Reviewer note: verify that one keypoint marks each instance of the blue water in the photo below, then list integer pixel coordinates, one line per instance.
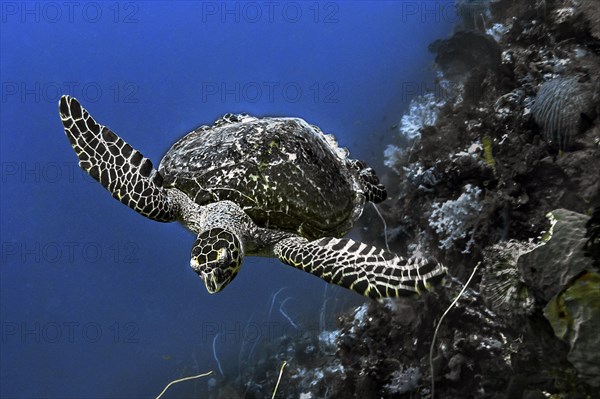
(99, 302)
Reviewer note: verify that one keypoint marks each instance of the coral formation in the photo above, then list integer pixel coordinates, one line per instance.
(514, 76)
(592, 245)
(403, 381)
(454, 219)
(550, 267)
(561, 107)
(502, 285)
(423, 111)
(474, 179)
(574, 315)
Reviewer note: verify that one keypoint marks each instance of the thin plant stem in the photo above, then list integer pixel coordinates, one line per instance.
(437, 328)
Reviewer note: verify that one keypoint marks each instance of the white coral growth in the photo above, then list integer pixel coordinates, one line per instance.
(423, 111)
(497, 31)
(404, 381)
(423, 179)
(392, 156)
(453, 220)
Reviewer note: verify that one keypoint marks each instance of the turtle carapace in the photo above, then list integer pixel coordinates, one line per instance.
(274, 187)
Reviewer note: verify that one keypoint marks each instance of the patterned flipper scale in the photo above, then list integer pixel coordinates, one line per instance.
(121, 169)
(370, 271)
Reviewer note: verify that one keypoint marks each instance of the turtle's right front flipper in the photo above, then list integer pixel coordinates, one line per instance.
(368, 270)
(122, 170)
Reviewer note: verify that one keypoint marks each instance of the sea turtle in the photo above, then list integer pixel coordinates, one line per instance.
(253, 186)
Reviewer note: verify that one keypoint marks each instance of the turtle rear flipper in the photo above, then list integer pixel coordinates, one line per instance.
(122, 170)
(370, 271)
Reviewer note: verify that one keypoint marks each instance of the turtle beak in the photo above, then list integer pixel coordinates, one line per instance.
(211, 283)
(214, 280)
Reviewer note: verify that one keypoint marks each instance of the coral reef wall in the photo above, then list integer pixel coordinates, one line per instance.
(496, 170)
(505, 176)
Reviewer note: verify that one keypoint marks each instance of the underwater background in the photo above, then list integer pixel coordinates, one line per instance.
(480, 116)
(98, 302)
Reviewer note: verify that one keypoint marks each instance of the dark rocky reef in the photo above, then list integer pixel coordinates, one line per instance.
(494, 143)
(522, 128)
(465, 59)
(488, 179)
(592, 246)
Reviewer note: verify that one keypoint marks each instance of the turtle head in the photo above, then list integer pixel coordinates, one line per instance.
(217, 256)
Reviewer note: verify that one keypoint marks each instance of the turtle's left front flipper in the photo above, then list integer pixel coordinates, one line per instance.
(368, 270)
(120, 168)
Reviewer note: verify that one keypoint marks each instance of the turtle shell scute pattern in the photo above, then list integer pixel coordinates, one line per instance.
(284, 173)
